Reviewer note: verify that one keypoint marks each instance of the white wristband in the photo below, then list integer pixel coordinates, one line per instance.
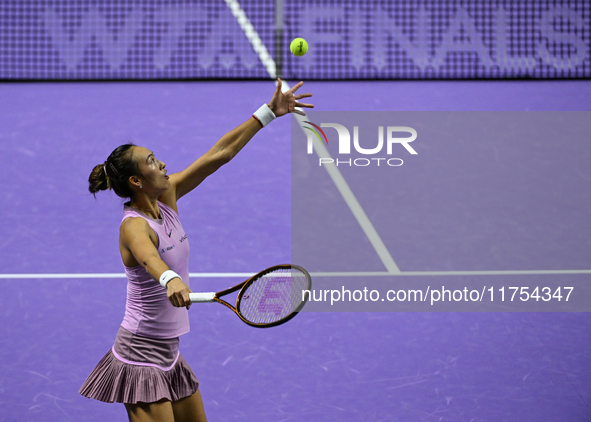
(264, 115)
(167, 276)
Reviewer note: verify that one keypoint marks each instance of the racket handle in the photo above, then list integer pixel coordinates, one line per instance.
(201, 297)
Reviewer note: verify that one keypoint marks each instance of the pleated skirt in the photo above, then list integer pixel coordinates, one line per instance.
(146, 377)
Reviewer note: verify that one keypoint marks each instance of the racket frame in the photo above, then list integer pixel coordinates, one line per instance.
(215, 297)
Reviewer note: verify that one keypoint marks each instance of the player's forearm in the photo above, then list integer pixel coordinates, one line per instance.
(176, 289)
(219, 154)
(232, 142)
(224, 150)
(155, 266)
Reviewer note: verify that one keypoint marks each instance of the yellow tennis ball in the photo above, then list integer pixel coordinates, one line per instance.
(298, 47)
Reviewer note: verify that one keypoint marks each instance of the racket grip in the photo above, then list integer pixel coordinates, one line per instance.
(201, 297)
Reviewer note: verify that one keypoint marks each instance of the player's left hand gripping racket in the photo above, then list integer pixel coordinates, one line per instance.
(269, 298)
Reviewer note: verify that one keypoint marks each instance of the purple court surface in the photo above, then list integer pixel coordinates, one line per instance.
(421, 366)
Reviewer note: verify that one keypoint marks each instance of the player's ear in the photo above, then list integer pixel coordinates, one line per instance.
(135, 181)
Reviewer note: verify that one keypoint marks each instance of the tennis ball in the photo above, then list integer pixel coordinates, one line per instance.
(298, 47)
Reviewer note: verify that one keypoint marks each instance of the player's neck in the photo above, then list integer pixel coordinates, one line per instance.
(146, 205)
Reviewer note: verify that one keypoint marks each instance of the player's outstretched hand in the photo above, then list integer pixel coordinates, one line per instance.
(178, 293)
(286, 102)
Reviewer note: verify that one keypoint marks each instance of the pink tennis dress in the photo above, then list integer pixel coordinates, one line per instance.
(144, 365)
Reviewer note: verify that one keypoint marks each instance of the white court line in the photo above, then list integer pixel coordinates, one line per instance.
(353, 204)
(116, 275)
(253, 37)
(446, 273)
(333, 171)
(313, 274)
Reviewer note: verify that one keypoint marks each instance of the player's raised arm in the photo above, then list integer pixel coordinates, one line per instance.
(232, 142)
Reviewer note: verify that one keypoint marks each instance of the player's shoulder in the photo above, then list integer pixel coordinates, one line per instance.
(136, 229)
(133, 225)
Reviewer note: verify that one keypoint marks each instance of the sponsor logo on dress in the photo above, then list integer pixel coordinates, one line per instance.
(169, 248)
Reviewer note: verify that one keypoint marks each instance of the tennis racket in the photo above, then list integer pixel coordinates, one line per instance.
(269, 298)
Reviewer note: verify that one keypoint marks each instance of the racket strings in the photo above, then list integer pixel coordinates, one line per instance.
(273, 296)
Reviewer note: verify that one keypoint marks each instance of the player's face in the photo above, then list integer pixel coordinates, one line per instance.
(153, 171)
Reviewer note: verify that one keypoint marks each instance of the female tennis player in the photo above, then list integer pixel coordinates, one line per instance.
(144, 369)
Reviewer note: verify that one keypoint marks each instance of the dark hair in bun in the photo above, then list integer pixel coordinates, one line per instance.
(115, 172)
